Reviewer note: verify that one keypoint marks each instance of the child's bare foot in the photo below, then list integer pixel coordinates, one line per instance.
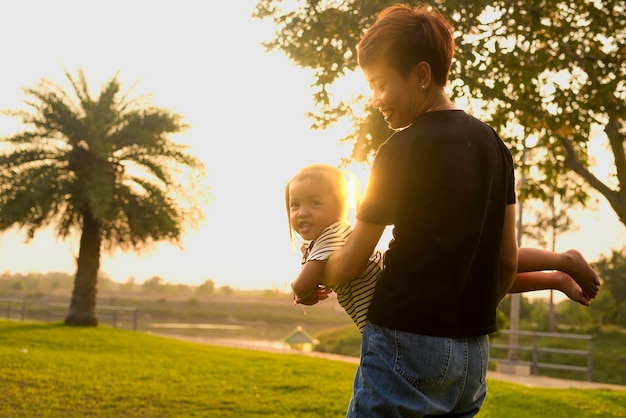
(580, 270)
(572, 289)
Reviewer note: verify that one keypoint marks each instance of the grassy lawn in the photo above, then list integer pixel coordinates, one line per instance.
(50, 370)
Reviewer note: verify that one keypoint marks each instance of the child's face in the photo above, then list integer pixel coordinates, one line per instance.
(312, 208)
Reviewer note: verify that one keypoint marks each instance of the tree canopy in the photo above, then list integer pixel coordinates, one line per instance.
(613, 271)
(547, 75)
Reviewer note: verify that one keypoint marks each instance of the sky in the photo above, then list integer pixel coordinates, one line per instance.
(247, 114)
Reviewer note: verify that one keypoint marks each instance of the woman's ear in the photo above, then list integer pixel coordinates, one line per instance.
(421, 73)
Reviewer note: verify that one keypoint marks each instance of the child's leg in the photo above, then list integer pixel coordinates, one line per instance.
(571, 262)
(537, 280)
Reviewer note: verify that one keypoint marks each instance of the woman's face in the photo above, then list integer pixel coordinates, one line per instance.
(399, 99)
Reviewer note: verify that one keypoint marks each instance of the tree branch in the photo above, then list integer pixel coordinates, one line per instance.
(573, 162)
(616, 140)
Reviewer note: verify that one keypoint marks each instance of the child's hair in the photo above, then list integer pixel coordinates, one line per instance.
(402, 37)
(330, 176)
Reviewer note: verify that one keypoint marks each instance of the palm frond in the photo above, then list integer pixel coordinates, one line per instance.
(35, 198)
(55, 117)
(80, 87)
(110, 159)
(149, 215)
(145, 127)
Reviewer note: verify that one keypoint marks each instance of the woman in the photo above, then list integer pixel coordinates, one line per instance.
(445, 181)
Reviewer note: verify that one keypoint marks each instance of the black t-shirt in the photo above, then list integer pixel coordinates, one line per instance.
(443, 183)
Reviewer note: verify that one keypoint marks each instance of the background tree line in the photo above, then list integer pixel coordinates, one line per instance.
(34, 284)
(608, 309)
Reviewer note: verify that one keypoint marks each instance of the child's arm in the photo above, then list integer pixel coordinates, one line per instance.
(305, 285)
(309, 288)
(571, 262)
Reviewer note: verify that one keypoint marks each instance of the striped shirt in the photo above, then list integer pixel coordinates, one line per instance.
(355, 295)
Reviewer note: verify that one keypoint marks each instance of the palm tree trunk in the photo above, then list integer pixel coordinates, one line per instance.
(83, 305)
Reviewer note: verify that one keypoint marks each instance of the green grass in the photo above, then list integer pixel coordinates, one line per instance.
(51, 370)
(271, 316)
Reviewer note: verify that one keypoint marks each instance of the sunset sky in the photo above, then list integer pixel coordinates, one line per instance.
(246, 109)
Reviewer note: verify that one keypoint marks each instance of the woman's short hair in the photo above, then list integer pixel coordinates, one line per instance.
(402, 37)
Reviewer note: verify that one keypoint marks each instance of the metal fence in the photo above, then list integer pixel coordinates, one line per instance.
(13, 307)
(536, 351)
(117, 316)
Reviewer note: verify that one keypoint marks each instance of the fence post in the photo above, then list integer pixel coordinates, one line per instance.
(23, 309)
(589, 359)
(135, 320)
(535, 368)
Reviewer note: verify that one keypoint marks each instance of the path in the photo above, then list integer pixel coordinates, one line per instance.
(530, 381)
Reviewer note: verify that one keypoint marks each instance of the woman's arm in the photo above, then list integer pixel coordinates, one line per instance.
(509, 254)
(350, 261)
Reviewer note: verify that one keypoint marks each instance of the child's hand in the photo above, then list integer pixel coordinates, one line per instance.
(312, 299)
(323, 292)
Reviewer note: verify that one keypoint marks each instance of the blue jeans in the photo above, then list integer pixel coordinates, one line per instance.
(410, 375)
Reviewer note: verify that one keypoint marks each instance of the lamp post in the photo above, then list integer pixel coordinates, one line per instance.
(515, 297)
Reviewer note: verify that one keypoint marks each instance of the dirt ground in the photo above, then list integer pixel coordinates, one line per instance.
(550, 382)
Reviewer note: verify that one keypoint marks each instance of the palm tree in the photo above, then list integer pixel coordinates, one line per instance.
(103, 168)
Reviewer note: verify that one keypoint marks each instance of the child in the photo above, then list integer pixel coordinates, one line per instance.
(317, 205)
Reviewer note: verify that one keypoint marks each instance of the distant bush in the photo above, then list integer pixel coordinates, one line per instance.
(206, 288)
(345, 340)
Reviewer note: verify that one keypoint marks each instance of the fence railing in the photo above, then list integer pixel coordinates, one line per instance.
(536, 350)
(118, 316)
(11, 307)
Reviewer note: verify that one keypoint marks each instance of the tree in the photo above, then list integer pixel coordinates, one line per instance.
(129, 285)
(206, 288)
(604, 308)
(612, 270)
(154, 284)
(554, 71)
(226, 290)
(555, 221)
(550, 221)
(525, 307)
(574, 316)
(105, 168)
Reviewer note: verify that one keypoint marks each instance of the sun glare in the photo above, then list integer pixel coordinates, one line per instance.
(354, 194)
(249, 127)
